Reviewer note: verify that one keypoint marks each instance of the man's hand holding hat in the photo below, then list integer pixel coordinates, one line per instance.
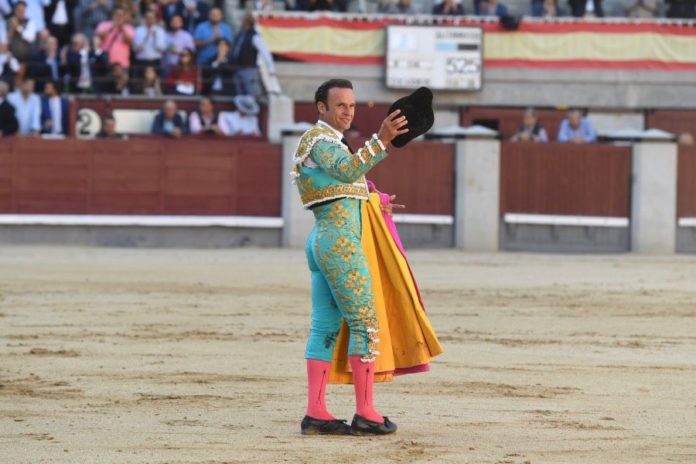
(392, 126)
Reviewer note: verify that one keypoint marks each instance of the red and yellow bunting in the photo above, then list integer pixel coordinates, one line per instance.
(544, 45)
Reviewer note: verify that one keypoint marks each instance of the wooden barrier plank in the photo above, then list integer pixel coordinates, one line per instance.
(257, 175)
(565, 179)
(5, 176)
(141, 176)
(421, 175)
(686, 182)
(674, 121)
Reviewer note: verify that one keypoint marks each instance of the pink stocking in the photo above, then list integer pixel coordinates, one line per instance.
(363, 381)
(317, 376)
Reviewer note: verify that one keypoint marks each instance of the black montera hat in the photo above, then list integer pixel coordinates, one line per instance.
(418, 109)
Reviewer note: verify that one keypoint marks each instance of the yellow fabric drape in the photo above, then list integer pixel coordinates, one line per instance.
(406, 338)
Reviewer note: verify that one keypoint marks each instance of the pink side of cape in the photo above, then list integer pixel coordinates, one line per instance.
(384, 199)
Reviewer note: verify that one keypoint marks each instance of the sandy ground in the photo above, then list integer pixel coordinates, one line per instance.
(161, 356)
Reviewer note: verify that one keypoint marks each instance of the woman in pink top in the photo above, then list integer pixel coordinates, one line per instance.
(116, 37)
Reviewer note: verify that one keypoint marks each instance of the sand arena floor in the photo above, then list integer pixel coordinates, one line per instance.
(184, 356)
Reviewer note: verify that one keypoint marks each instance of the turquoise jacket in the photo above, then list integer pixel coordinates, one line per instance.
(325, 169)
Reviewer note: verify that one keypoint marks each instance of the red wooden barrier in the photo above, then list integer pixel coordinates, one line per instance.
(674, 121)
(421, 174)
(141, 176)
(565, 179)
(686, 182)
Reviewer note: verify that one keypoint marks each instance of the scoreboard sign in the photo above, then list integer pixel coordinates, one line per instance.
(439, 57)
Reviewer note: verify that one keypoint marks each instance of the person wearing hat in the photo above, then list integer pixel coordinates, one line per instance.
(331, 182)
(244, 120)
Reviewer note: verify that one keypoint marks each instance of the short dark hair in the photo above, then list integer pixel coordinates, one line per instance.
(322, 93)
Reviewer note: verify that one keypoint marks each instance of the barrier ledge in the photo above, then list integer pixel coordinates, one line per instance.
(687, 222)
(433, 219)
(562, 220)
(145, 221)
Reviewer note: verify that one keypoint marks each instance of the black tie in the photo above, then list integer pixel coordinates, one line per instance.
(345, 142)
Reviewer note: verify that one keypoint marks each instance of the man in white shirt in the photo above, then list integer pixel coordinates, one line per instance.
(245, 120)
(35, 12)
(149, 42)
(27, 108)
(21, 32)
(177, 40)
(54, 111)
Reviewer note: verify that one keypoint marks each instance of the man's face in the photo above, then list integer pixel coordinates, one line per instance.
(206, 106)
(50, 89)
(20, 10)
(118, 17)
(150, 18)
(574, 120)
(339, 109)
(215, 15)
(28, 87)
(176, 23)
(169, 110)
(529, 120)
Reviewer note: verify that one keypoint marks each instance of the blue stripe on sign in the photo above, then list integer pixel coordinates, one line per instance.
(446, 46)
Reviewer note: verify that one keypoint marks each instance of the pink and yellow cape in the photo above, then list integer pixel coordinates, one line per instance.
(407, 341)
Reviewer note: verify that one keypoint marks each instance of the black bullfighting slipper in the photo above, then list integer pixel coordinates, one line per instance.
(312, 426)
(362, 426)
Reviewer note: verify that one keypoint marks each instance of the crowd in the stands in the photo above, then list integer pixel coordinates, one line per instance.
(143, 47)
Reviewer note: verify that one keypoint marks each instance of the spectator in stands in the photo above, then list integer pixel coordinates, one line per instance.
(586, 8)
(44, 64)
(8, 120)
(220, 73)
(108, 130)
(149, 42)
(54, 110)
(491, 8)
(21, 33)
(208, 33)
(576, 129)
(9, 66)
(35, 12)
(683, 9)
(397, 7)
(530, 130)
(129, 7)
(168, 121)
(117, 82)
(247, 46)
(27, 107)
(80, 64)
(60, 19)
(150, 85)
(206, 120)
(641, 9)
(185, 78)
(449, 7)
(193, 12)
(89, 13)
(115, 37)
(244, 120)
(178, 39)
(550, 9)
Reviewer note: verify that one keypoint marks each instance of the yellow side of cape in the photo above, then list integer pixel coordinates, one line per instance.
(406, 338)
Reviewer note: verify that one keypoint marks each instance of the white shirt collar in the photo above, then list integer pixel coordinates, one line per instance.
(326, 124)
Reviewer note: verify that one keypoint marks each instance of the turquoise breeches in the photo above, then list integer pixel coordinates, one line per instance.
(341, 285)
